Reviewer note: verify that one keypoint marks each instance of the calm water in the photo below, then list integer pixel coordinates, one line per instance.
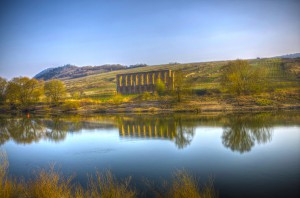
(248, 155)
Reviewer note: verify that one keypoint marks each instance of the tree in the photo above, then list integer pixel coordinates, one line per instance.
(181, 84)
(23, 91)
(55, 90)
(3, 84)
(160, 87)
(241, 78)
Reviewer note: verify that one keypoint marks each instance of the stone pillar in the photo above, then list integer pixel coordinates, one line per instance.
(147, 78)
(153, 78)
(173, 81)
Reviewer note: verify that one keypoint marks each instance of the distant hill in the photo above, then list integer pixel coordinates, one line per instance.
(72, 71)
(296, 55)
(68, 72)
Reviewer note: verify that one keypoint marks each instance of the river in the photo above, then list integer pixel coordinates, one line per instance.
(247, 155)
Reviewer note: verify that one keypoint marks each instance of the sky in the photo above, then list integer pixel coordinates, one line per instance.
(38, 34)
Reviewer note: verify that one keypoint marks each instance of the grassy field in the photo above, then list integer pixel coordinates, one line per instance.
(282, 73)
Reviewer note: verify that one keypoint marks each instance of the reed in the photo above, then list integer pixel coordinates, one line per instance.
(51, 183)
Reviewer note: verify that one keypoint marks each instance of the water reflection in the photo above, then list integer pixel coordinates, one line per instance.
(242, 131)
(28, 130)
(157, 128)
(23, 131)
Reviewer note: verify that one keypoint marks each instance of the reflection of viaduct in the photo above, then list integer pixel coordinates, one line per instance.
(153, 130)
(144, 81)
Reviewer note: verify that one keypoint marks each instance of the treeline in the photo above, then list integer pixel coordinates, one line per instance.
(22, 92)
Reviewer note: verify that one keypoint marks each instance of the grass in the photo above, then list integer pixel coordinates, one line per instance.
(51, 183)
(282, 73)
(106, 185)
(97, 93)
(185, 185)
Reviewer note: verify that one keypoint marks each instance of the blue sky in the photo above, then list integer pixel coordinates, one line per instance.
(37, 34)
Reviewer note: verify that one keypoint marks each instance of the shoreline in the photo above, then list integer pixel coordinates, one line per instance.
(154, 107)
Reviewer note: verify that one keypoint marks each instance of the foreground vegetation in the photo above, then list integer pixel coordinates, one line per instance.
(51, 183)
(213, 86)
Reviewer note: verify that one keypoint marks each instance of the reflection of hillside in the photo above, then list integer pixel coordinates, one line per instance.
(28, 130)
(157, 128)
(241, 132)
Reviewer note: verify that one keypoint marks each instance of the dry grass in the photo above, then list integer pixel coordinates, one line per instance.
(184, 185)
(8, 187)
(107, 186)
(50, 183)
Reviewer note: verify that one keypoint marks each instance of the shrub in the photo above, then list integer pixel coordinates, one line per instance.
(117, 99)
(185, 185)
(49, 183)
(146, 96)
(160, 87)
(263, 102)
(106, 186)
(70, 105)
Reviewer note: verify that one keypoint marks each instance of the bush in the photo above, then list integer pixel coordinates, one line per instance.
(263, 102)
(184, 185)
(146, 96)
(70, 105)
(117, 99)
(106, 186)
(202, 92)
(49, 183)
(160, 87)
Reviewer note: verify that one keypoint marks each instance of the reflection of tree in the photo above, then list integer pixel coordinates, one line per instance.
(57, 129)
(241, 132)
(27, 130)
(184, 134)
(4, 134)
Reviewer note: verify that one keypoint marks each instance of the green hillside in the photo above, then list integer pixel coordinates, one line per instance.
(282, 73)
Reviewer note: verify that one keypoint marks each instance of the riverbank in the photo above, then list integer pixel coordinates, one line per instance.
(188, 104)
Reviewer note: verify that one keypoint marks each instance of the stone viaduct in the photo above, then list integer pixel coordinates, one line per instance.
(136, 83)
